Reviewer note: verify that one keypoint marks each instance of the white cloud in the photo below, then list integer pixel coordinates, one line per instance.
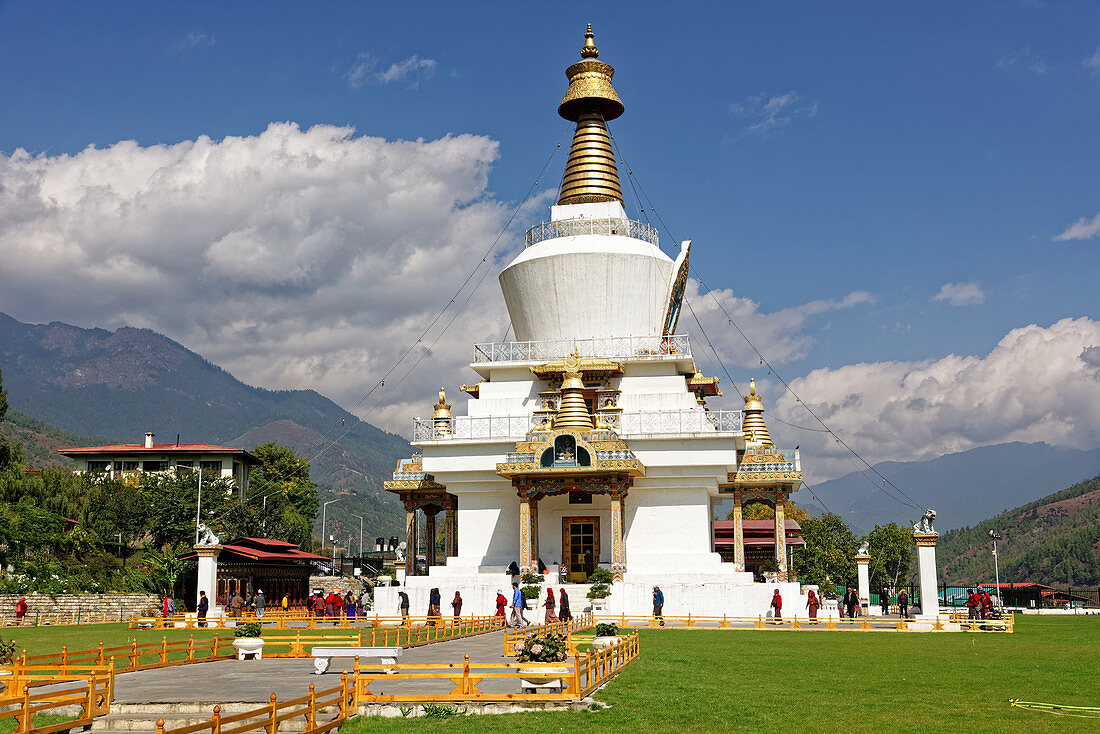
(294, 258)
(767, 114)
(1027, 59)
(191, 41)
(1093, 62)
(1082, 229)
(961, 294)
(1037, 384)
(780, 335)
(412, 70)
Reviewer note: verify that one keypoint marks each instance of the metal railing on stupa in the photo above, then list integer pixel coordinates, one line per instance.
(636, 423)
(573, 227)
(612, 347)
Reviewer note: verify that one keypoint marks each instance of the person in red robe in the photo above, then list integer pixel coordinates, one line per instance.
(812, 603)
(777, 605)
(501, 603)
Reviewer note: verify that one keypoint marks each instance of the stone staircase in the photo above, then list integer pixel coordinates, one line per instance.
(134, 718)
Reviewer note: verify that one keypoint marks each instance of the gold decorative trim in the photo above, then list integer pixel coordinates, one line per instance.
(926, 539)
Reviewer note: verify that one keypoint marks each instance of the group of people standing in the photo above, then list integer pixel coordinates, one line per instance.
(979, 604)
(334, 605)
(557, 609)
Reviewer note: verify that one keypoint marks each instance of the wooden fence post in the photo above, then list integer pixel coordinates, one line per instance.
(214, 649)
(191, 649)
(100, 660)
(215, 721)
(164, 649)
(160, 726)
(466, 674)
(343, 696)
(134, 659)
(273, 725)
(311, 715)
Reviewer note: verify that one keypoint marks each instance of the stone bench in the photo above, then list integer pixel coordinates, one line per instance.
(324, 655)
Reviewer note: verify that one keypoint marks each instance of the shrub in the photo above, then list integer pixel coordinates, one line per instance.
(601, 576)
(545, 649)
(7, 651)
(531, 592)
(827, 590)
(249, 629)
(607, 629)
(532, 578)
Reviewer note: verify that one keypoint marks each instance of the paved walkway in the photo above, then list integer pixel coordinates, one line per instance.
(255, 680)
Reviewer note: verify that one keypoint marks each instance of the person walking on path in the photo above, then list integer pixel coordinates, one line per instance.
(549, 603)
(884, 601)
(502, 602)
(850, 601)
(456, 605)
(434, 600)
(203, 608)
(169, 609)
(259, 602)
(236, 604)
(812, 603)
(318, 605)
(403, 605)
(517, 607)
(973, 602)
(285, 604)
(986, 602)
(350, 606)
(20, 610)
(658, 604)
(777, 606)
(563, 607)
(903, 604)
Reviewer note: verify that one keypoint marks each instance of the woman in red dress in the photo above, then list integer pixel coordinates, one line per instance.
(812, 603)
(549, 603)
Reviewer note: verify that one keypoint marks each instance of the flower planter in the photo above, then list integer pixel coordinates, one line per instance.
(598, 604)
(249, 647)
(606, 642)
(384, 580)
(542, 676)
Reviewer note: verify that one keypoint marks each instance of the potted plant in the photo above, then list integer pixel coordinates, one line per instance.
(532, 588)
(385, 576)
(770, 571)
(7, 655)
(539, 650)
(601, 580)
(247, 640)
(607, 634)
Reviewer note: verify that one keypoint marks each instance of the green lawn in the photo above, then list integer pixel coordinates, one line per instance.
(774, 681)
(45, 640)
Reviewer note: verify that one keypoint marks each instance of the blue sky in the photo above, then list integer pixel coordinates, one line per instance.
(810, 150)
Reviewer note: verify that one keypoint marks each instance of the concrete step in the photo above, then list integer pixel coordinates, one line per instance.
(134, 722)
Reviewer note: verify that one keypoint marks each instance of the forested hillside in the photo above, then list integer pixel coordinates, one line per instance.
(93, 382)
(1053, 541)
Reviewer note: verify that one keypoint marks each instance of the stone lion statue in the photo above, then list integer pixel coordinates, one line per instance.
(924, 525)
(864, 549)
(206, 536)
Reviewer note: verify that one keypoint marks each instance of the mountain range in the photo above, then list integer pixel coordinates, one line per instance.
(964, 488)
(91, 386)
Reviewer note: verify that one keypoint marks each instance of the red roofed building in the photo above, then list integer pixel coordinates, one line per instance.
(277, 567)
(130, 458)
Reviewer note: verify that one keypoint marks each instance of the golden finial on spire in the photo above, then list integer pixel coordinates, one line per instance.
(442, 409)
(753, 423)
(589, 51)
(572, 410)
(590, 173)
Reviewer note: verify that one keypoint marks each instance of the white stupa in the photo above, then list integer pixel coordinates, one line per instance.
(587, 441)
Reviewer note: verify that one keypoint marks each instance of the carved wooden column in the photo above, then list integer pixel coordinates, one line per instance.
(618, 544)
(535, 535)
(780, 538)
(738, 534)
(410, 538)
(524, 531)
(429, 540)
(451, 526)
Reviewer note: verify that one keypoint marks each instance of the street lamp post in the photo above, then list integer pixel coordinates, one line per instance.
(997, 567)
(324, 510)
(198, 506)
(360, 537)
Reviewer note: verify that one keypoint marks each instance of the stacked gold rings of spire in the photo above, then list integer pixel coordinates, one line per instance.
(572, 410)
(753, 423)
(590, 173)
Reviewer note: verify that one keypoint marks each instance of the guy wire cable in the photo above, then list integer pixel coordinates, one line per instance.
(359, 419)
(765, 362)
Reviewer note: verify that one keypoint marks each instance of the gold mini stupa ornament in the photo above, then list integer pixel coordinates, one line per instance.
(753, 422)
(442, 408)
(590, 101)
(572, 410)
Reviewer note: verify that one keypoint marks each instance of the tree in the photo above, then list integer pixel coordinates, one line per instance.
(166, 567)
(282, 497)
(11, 456)
(764, 511)
(891, 550)
(829, 553)
(170, 501)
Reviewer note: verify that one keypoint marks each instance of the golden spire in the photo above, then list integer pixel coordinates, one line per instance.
(590, 173)
(753, 422)
(572, 410)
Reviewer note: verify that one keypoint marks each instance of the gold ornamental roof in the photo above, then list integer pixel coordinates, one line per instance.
(590, 173)
(586, 366)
